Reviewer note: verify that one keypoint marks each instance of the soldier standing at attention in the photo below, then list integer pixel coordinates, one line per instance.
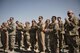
(4, 36)
(0, 30)
(71, 30)
(33, 35)
(79, 31)
(60, 32)
(47, 40)
(11, 31)
(40, 34)
(19, 31)
(26, 31)
(53, 27)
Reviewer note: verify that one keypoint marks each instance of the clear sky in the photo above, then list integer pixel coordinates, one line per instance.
(26, 10)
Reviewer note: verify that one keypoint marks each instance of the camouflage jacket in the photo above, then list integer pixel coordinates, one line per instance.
(12, 29)
(71, 26)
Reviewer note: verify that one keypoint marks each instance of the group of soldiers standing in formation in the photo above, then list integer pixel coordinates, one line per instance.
(41, 36)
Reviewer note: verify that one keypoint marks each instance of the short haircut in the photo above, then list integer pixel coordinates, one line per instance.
(53, 17)
(40, 17)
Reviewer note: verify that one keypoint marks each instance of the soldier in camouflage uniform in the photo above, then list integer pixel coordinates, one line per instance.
(71, 31)
(19, 33)
(47, 40)
(60, 32)
(33, 34)
(53, 27)
(4, 36)
(27, 36)
(79, 33)
(11, 31)
(40, 34)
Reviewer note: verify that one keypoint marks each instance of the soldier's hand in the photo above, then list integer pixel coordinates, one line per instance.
(0, 27)
(21, 32)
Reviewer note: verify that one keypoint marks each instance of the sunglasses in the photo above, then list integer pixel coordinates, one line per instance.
(69, 13)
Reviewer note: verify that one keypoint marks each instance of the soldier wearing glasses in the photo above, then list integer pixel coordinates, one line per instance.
(71, 30)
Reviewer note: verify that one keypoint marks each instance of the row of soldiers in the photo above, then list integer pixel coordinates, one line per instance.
(41, 36)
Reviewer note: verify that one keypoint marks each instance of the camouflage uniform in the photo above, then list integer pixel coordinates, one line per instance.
(53, 37)
(11, 31)
(79, 33)
(60, 34)
(71, 32)
(27, 37)
(4, 37)
(33, 36)
(53, 27)
(47, 33)
(40, 36)
(19, 34)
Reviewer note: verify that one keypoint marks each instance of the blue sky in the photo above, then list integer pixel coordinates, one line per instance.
(26, 10)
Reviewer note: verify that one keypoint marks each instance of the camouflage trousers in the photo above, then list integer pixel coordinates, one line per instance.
(20, 39)
(47, 41)
(11, 42)
(71, 41)
(41, 41)
(27, 40)
(4, 40)
(53, 43)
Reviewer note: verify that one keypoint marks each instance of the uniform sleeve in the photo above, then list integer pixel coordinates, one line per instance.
(56, 26)
(76, 20)
(12, 27)
(43, 27)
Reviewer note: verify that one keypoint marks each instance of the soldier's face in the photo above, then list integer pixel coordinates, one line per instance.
(53, 19)
(5, 24)
(27, 24)
(48, 21)
(70, 14)
(33, 23)
(59, 19)
(40, 19)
